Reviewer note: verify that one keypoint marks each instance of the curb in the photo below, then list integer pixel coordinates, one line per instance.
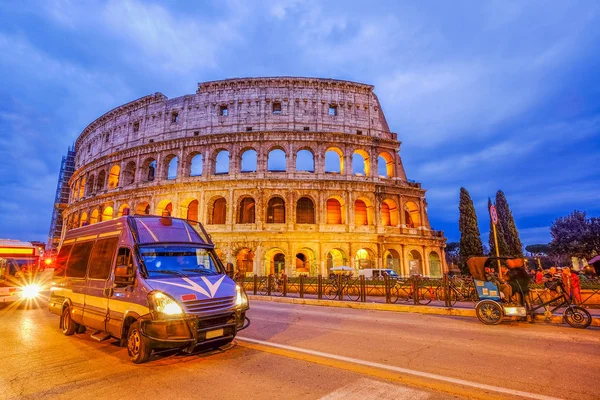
(449, 311)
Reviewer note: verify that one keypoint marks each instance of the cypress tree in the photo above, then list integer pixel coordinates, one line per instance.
(502, 246)
(470, 240)
(505, 218)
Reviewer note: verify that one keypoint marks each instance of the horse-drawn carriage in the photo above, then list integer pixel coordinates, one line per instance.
(492, 307)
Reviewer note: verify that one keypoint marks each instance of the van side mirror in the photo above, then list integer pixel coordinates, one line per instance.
(122, 275)
(229, 269)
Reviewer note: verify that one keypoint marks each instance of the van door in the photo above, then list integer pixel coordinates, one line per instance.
(75, 282)
(99, 286)
(123, 298)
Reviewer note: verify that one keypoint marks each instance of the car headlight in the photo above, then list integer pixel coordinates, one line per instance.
(30, 291)
(241, 300)
(164, 305)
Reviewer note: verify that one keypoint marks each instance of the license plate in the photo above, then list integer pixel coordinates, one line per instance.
(214, 334)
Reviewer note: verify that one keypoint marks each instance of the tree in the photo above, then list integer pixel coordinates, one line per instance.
(452, 253)
(505, 218)
(502, 246)
(470, 240)
(593, 237)
(538, 249)
(570, 235)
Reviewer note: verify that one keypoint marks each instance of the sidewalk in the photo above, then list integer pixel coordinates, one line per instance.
(462, 310)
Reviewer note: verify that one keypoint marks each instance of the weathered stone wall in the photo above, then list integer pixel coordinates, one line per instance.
(128, 138)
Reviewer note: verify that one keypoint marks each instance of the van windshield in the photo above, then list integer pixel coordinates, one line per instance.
(178, 260)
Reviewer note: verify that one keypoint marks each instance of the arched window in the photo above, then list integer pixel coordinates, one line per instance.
(276, 160)
(248, 161)
(360, 163)
(414, 263)
(113, 176)
(389, 213)
(122, 209)
(305, 211)
(82, 185)
(84, 219)
(94, 216)
(129, 173)
(107, 214)
(276, 211)
(143, 208)
(192, 211)
(435, 266)
(385, 165)
(149, 170)
(196, 165)
(90, 185)
(305, 161)
(334, 161)
(412, 214)
(360, 213)
(171, 164)
(100, 182)
(164, 208)
(219, 211)
(222, 162)
(246, 214)
(334, 211)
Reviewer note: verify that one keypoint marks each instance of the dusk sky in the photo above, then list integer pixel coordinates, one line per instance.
(486, 95)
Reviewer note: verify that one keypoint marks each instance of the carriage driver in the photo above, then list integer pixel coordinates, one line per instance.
(505, 288)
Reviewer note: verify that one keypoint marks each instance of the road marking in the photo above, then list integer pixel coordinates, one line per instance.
(366, 388)
(384, 371)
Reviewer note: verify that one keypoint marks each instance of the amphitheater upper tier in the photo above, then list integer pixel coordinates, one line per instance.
(294, 174)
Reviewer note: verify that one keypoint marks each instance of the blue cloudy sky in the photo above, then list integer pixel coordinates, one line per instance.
(487, 95)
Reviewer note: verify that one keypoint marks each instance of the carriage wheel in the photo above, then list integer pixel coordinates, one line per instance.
(489, 312)
(577, 317)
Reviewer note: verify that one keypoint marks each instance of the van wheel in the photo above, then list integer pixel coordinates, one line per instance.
(137, 345)
(67, 325)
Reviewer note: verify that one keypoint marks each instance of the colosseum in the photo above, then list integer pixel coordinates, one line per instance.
(287, 174)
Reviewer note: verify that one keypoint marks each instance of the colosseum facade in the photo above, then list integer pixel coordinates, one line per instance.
(294, 174)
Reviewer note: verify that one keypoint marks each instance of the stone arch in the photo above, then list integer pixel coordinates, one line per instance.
(246, 210)
(190, 209)
(164, 208)
(385, 165)
(364, 258)
(170, 167)
(148, 172)
(363, 211)
(305, 211)
(276, 160)
(334, 161)
(274, 261)
(305, 160)
(389, 213)
(129, 173)
(113, 176)
(415, 262)
(94, 216)
(90, 185)
(122, 209)
(244, 261)
(217, 210)
(248, 160)
(195, 164)
(306, 262)
(391, 260)
(412, 214)
(335, 258)
(361, 165)
(82, 186)
(335, 211)
(101, 181)
(143, 208)
(75, 220)
(221, 163)
(107, 213)
(84, 219)
(276, 210)
(435, 265)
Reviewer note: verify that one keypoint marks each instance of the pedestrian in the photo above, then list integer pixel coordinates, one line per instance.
(575, 288)
(565, 277)
(519, 280)
(539, 276)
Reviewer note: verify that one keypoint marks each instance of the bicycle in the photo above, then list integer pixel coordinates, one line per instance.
(402, 290)
(465, 290)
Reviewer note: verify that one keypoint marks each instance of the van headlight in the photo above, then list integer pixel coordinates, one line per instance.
(241, 300)
(31, 291)
(164, 305)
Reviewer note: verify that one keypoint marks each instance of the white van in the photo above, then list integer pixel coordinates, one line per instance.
(373, 273)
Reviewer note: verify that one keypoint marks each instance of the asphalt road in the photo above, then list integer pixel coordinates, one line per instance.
(296, 351)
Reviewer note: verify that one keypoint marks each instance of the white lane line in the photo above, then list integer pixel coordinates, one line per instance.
(366, 388)
(407, 371)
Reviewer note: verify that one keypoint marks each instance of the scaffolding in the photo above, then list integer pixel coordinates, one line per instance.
(61, 199)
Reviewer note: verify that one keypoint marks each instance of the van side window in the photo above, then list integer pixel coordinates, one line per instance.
(124, 257)
(78, 261)
(102, 257)
(61, 260)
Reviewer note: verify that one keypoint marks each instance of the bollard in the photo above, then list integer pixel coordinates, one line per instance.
(340, 295)
(362, 288)
(284, 285)
(415, 289)
(445, 290)
(301, 286)
(386, 287)
(255, 289)
(269, 281)
(320, 287)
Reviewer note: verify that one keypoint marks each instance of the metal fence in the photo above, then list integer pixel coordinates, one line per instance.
(445, 291)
